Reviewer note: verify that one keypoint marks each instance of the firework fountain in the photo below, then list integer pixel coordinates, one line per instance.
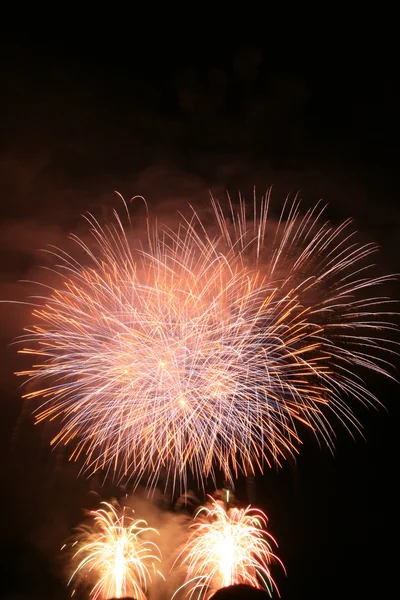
(116, 554)
(227, 545)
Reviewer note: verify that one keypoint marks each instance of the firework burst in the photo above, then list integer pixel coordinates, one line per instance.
(114, 555)
(207, 345)
(227, 546)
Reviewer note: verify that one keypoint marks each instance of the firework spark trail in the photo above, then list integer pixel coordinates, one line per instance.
(206, 346)
(227, 547)
(114, 553)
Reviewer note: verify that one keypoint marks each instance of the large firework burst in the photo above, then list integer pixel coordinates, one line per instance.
(207, 345)
(113, 556)
(227, 546)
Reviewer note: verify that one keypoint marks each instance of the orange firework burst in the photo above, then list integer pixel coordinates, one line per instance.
(207, 345)
(227, 547)
(114, 555)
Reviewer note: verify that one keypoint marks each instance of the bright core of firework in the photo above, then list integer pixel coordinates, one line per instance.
(226, 547)
(115, 554)
(206, 345)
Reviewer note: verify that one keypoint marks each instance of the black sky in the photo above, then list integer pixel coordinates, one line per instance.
(170, 115)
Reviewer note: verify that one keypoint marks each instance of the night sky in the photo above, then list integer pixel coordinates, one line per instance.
(172, 115)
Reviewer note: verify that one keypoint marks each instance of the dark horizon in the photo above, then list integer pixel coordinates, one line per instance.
(83, 116)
